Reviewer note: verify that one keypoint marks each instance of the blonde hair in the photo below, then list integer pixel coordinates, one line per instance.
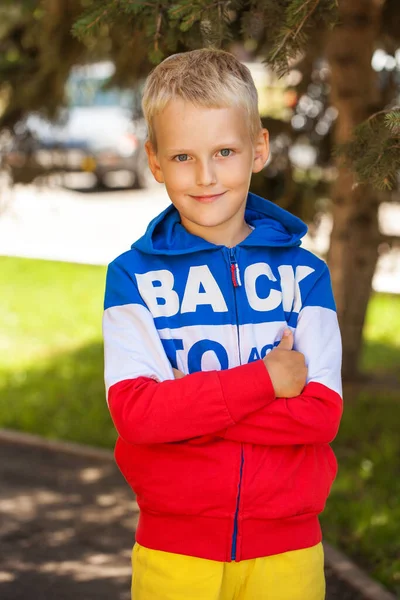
(206, 78)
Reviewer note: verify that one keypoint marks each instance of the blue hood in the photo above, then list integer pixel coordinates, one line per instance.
(273, 226)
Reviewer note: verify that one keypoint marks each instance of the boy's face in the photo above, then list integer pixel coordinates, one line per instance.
(205, 157)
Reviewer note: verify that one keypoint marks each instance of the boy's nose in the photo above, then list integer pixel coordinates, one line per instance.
(205, 173)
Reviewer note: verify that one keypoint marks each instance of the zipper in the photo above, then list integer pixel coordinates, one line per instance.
(236, 281)
(235, 525)
(235, 273)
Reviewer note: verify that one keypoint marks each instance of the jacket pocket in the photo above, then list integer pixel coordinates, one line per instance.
(182, 479)
(285, 481)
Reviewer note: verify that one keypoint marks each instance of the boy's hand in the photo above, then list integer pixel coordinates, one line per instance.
(286, 367)
(178, 374)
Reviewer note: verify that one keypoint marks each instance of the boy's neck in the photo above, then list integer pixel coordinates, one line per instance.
(220, 235)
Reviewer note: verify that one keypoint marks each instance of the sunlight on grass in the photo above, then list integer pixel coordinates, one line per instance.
(51, 372)
(47, 307)
(383, 319)
(381, 350)
(62, 398)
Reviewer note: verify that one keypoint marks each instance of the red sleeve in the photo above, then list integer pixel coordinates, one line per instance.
(148, 412)
(311, 418)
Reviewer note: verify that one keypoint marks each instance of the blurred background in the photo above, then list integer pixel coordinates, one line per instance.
(75, 192)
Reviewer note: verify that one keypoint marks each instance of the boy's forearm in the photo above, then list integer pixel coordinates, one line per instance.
(313, 417)
(147, 412)
(146, 405)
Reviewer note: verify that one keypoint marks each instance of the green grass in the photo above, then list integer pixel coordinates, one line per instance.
(381, 351)
(362, 515)
(51, 370)
(47, 308)
(51, 383)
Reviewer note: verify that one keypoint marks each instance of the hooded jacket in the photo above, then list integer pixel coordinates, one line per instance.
(221, 468)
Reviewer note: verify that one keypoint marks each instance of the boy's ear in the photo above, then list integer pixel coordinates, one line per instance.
(261, 151)
(153, 162)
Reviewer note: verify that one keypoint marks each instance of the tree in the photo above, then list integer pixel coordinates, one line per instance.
(36, 54)
(355, 236)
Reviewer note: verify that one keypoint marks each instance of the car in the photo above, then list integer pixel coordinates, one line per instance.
(101, 130)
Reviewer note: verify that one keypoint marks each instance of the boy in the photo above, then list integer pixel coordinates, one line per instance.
(222, 357)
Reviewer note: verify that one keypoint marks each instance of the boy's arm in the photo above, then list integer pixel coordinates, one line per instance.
(312, 417)
(146, 404)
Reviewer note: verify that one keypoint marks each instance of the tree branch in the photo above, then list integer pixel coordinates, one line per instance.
(290, 33)
(384, 111)
(157, 34)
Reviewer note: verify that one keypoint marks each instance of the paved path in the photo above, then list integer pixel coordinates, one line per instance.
(94, 227)
(66, 528)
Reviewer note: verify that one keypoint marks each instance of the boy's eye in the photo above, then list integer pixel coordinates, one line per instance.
(225, 152)
(181, 157)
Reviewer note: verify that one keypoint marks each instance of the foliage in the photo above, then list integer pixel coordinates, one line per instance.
(213, 22)
(296, 19)
(37, 52)
(374, 151)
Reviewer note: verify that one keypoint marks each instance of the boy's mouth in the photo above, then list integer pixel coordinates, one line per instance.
(205, 199)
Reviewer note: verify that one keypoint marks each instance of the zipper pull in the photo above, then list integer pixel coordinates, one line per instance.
(235, 273)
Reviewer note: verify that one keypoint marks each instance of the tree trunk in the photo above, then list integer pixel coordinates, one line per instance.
(354, 243)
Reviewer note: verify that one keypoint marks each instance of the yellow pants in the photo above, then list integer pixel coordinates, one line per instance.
(297, 575)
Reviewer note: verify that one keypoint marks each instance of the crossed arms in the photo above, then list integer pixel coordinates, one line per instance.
(243, 404)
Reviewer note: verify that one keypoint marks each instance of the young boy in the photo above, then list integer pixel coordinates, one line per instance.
(222, 357)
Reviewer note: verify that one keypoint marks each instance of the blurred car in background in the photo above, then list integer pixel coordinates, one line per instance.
(100, 131)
